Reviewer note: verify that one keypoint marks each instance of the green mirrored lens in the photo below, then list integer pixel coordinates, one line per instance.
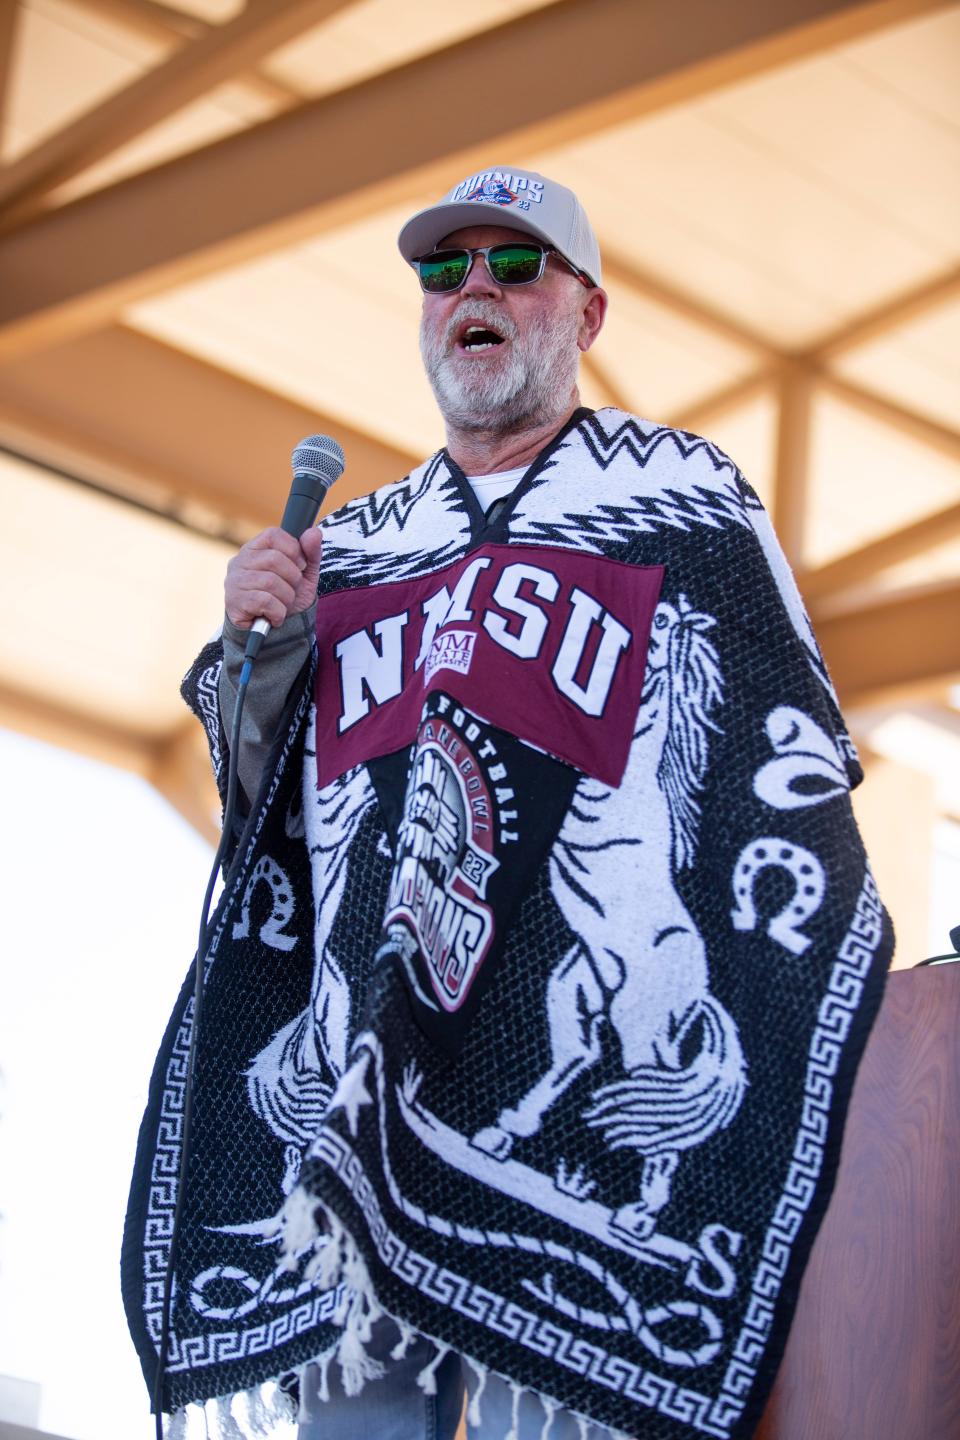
(444, 271)
(515, 264)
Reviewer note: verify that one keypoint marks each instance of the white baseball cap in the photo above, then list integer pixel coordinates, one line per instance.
(517, 199)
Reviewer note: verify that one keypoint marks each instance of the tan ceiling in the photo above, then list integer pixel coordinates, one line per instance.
(197, 266)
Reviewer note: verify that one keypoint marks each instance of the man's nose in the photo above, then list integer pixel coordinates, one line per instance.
(479, 281)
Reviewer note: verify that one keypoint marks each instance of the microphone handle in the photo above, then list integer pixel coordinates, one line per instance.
(303, 504)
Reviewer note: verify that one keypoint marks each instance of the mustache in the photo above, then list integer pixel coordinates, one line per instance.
(486, 311)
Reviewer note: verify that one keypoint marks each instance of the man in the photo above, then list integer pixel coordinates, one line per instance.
(549, 949)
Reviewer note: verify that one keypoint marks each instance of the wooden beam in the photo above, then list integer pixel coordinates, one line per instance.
(917, 427)
(178, 765)
(653, 287)
(721, 402)
(9, 15)
(905, 643)
(390, 139)
(180, 770)
(221, 53)
(861, 565)
(610, 391)
(84, 734)
(150, 18)
(886, 317)
(149, 421)
(163, 22)
(792, 468)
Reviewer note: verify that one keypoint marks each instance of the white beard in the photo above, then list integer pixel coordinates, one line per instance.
(533, 381)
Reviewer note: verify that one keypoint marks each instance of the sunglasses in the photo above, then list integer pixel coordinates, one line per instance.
(521, 264)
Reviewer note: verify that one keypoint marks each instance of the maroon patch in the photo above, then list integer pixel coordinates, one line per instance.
(544, 643)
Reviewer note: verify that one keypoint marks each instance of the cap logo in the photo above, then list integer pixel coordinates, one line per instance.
(494, 187)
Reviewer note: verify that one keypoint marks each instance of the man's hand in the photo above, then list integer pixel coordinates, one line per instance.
(273, 576)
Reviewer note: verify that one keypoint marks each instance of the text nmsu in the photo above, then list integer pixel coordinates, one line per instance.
(524, 609)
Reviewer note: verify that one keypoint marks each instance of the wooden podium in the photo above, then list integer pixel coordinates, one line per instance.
(874, 1352)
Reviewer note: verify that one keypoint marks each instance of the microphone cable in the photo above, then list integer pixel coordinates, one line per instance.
(229, 813)
(317, 462)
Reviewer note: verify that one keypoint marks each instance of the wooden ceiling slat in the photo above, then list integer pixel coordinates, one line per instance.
(8, 32)
(731, 397)
(147, 420)
(878, 407)
(653, 287)
(886, 317)
(150, 18)
(216, 56)
(179, 768)
(902, 643)
(62, 725)
(292, 176)
(792, 461)
(862, 565)
(160, 22)
(604, 381)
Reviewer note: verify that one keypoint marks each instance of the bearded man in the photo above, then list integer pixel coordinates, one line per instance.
(548, 951)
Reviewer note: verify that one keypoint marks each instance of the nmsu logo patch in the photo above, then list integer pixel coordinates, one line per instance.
(452, 650)
(544, 643)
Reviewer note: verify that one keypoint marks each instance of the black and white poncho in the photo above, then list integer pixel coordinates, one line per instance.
(544, 963)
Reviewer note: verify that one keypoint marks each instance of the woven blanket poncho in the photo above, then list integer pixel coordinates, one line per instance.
(544, 963)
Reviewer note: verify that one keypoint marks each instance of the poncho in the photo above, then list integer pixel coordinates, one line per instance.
(544, 961)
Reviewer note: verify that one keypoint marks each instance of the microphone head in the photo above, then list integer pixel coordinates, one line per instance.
(320, 457)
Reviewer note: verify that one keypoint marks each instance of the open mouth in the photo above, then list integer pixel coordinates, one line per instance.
(478, 337)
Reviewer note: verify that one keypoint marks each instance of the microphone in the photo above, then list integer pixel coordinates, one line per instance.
(316, 462)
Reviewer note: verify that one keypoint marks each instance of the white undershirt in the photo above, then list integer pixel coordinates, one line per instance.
(489, 488)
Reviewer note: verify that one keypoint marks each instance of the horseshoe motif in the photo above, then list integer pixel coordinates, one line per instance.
(271, 931)
(809, 885)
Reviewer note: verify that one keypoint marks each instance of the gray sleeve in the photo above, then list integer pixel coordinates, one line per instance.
(281, 658)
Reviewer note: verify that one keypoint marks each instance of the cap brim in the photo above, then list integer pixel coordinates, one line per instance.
(423, 231)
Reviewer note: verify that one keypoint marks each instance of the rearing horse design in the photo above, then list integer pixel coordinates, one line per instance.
(684, 1069)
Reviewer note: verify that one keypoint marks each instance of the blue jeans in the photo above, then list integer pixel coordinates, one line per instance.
(394, 1407)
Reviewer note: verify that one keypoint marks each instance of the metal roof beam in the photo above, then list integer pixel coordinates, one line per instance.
(408, 132)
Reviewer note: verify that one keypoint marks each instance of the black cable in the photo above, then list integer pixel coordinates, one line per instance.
(229, 809)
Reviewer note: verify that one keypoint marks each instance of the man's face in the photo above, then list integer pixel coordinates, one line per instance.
(499, 355)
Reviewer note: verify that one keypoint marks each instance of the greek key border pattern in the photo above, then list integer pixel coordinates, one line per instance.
(505, 1317)
(837, 1008)
(165, 1170)
(208, 699)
